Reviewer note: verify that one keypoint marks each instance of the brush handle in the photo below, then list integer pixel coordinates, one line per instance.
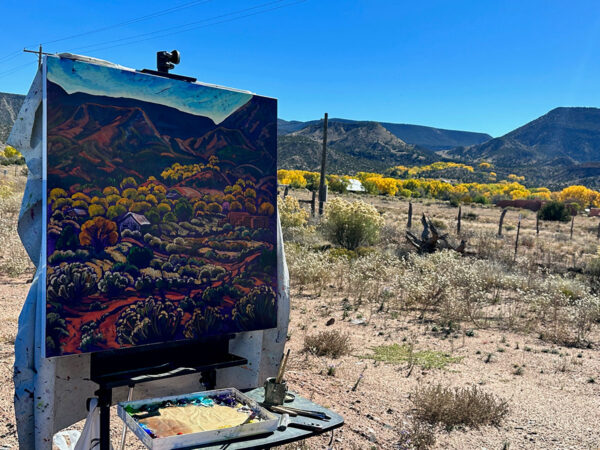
(282, 367)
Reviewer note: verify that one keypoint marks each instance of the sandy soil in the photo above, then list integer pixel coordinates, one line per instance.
(553, 404)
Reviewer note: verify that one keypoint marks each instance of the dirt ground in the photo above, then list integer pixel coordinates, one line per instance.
(553, 403)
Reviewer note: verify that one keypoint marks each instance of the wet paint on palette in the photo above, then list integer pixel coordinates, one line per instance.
(186, 421)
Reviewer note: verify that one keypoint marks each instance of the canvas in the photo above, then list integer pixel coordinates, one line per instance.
(160, 209)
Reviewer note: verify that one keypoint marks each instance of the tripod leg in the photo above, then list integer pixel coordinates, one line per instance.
(129, 397)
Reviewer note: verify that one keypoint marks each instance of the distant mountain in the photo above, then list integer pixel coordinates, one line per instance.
(560, 147)
(10, 104)
(352, 146)
(435, 138)
(422, 136)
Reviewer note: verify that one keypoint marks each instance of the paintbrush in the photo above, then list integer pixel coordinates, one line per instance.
(282, 368)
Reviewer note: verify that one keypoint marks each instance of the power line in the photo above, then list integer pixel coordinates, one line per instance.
(16, 69)
(129, 22)
(189, 26)
(117, 25)
(10, 56)
(178, 29)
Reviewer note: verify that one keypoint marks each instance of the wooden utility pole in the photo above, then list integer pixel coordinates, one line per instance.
(458, 219)
(39, 53)
(517, 240)
(500, 223)
(409, 223)
(323, 166)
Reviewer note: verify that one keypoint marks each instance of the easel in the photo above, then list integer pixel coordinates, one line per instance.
(128, 367)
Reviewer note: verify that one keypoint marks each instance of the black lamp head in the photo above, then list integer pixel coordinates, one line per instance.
(166, 61)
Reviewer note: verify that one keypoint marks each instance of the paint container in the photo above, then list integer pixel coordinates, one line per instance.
(275, 392)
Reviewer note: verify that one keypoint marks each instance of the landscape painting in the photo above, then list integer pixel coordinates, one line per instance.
(161, 199)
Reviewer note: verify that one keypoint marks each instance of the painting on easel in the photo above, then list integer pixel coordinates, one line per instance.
(160, 208)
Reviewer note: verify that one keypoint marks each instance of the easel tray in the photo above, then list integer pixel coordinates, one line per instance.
(267, 421)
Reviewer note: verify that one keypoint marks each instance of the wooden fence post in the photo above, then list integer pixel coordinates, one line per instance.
(313, 202)
(458, 219)
(537, 223)
(409, 223)
(598, 230)
(517, 240)
(500, 223)
(572, 222)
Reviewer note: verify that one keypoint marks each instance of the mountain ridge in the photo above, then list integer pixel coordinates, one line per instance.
(554, 148)
(420, 135)
(352, 146)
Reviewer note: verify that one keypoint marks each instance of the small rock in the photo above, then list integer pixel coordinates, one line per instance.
(371, 436)
(357, 321)
(330, 322)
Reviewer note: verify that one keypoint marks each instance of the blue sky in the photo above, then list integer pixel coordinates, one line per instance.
(469, 65)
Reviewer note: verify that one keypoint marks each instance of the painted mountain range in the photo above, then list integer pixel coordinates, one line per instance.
(107, 131)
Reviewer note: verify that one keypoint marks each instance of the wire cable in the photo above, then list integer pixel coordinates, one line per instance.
(129, 22)
(8, 72)
(116, 25)
(188, 27)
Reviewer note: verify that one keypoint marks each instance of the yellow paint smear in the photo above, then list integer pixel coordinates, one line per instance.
(187, 419)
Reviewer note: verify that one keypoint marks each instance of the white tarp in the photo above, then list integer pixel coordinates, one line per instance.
(50, 394)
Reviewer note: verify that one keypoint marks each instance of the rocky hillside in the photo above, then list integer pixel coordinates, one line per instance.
(9, 108)
(427, 137)
(352, 147)
(560, 147)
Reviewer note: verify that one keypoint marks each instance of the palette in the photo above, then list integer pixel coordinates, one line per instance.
(195, 419)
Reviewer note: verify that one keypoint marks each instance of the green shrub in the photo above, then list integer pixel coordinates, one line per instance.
(68, 255)
(214, 295)
(90, 337)
(148, 321)
(140, 257)
(113, 283)
(256, 310)
(144, 283)
(554, 211)
(56, 328)
(481, 199)
(71, 282)
(68, 239)
(127, 268)
(204, 323)
(337, 183)
(352, 224)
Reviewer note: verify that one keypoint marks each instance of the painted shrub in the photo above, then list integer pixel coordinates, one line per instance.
(160, 209)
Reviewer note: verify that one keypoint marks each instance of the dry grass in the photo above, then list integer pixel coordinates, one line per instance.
(13, 257)
(450, 408)
(328, 343)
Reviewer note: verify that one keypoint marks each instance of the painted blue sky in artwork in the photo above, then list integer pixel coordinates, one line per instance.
(76, 76)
